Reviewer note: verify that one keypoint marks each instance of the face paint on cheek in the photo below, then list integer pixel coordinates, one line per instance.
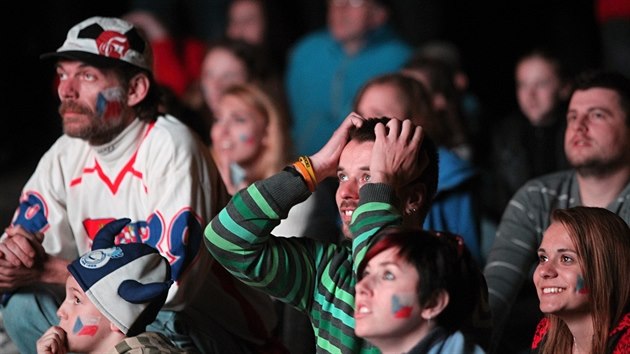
(247, 139)
(402, 306)
(109, 103)
(580, 288)
(86, 326)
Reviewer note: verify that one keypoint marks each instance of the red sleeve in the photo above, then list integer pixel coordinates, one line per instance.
(541, 331)
(175, 69)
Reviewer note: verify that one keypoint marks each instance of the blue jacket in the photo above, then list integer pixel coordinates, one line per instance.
(322, 81)
(453, 207)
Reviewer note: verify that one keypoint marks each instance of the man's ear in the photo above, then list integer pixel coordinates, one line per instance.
(415, 199)
(436, 305)
(138, 89)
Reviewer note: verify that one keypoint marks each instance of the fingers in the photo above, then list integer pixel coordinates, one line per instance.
(53, 341)
(19, 250)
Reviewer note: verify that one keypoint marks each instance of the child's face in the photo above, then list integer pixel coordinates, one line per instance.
(386, 299)
(83, 322)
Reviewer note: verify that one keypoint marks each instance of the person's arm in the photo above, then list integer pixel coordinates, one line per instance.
(41, 217)
(240, 236)
(512, 255)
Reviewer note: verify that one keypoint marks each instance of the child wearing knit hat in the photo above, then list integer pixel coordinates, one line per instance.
(112, 293)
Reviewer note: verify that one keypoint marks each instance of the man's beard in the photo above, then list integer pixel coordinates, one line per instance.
(598, 167)
(98, 131)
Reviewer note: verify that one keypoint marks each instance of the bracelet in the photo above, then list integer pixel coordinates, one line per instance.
(309, 167)
(301, 169)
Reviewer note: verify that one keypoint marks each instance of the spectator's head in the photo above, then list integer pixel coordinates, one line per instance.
(541, 86)
(250, 131)
(582, 262)
(247, 21)
(411, 281)
(104, 71)
(597, 138)
(350, 21)
(353, 172)
(399, 96)
(113, 290)
(228, 62)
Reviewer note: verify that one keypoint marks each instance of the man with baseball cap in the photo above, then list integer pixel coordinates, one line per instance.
(112, 293)
(119, 157)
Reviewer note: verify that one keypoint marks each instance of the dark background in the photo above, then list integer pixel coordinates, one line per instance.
(490, 36)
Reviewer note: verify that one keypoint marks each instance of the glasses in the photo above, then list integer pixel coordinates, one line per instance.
(351, 3)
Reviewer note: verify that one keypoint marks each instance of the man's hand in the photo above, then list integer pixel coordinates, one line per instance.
(53, 341)
(22, 248)
(12, 277)
(395, 153)
(325, 161)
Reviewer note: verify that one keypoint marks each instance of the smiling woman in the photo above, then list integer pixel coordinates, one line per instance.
(582, 253)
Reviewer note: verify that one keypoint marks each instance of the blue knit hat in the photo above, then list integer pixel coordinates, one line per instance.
(128, 283)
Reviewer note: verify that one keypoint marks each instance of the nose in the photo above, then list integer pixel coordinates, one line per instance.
(364, 287)
(61, 312)
(349, 189)
(547, 270)
(67, 89)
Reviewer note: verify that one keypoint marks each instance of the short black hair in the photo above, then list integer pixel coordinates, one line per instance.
(429, 177)
(611, 80)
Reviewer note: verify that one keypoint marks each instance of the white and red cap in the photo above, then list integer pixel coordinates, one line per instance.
(104, 41)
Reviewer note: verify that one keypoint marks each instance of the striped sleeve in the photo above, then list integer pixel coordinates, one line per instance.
(240, 238)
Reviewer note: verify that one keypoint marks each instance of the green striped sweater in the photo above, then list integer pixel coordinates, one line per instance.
(315, 277)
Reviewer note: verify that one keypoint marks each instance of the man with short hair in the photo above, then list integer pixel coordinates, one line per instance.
(119, 157)
(597, 145)
(327, 67)
(385, 178)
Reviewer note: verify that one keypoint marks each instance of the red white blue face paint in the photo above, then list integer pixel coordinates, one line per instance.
(246, 138)
(109, 103)
(86, 326)
(580, 287)
(402, 305)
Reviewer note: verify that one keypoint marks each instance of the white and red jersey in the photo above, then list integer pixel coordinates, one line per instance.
(161, 177)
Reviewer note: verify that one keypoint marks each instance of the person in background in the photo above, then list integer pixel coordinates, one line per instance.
(251, 142)
(453, 208)
(597, 146)
(416, 292)
(438, 78)
(120, 157)
(112, 293)
(327, 67)
(528, 143)
(386, 177)
(583, 252)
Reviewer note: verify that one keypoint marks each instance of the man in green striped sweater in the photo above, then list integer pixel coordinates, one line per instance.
(387, 176)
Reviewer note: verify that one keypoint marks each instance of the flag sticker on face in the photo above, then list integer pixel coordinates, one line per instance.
(401, 308)
(86, 326)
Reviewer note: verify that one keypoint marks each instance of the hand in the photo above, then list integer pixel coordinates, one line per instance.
(151, 26)
(395, 153)
(22, 248)
(53, 341)
(326, 160)
(12, 277)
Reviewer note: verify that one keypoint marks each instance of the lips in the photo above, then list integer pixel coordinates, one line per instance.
(361, 311)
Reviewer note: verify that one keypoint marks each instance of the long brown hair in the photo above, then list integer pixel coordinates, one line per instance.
(602, 242)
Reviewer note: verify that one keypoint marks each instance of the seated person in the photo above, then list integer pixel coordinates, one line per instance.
(417, 292)
(582, 283)
(112, 293)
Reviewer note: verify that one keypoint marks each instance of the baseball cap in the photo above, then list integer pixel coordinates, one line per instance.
(128, 283)
(105, 41)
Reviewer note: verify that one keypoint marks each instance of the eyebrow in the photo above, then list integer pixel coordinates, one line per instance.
(559, 250)
(362, 168)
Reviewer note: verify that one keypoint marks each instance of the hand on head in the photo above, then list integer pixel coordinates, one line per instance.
(395, 151)
(325, 161)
